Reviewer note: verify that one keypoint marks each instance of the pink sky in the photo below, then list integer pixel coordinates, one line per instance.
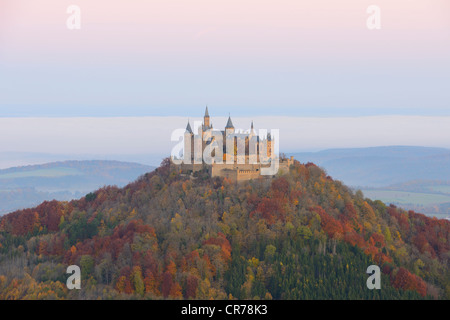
(232, 28)
(233, 54)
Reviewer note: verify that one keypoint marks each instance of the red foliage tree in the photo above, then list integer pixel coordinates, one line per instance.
(167, 284)
(191, 287)
(408, 281)
(270, 209)
(224, 244)
(330, 225)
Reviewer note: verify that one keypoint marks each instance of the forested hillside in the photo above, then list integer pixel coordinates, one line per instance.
(301, 235)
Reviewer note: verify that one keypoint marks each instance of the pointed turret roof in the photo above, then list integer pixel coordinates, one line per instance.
(229, 123)
(206, 112)
(188, 127)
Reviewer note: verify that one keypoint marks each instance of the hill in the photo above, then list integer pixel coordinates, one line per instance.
(301, 235)
(23, 187)
(404, 176)
(382, 166)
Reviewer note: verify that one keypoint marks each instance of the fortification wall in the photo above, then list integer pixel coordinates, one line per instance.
(244, 175)
(236, 172)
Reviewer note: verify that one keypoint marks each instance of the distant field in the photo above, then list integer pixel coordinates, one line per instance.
(403, 197)
(443, 189)
(441, 216)
(43, 173)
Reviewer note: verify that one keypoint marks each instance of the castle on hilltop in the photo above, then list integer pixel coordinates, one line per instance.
(229, 153)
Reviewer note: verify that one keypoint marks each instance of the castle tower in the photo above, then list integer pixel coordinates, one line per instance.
(188, 144)
(230, 142)
(269, 145)
(229, 128)
(252, 146)
(206, 118)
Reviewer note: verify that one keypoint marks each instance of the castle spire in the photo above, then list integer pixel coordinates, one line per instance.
(206, 119)
(188, 128)
(229, 123)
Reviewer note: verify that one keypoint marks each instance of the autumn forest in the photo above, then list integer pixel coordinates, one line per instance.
(168, 235)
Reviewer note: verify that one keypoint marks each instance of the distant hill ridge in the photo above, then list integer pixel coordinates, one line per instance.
(382, 166)
(416, 178)
(26, 186)
(78, 164)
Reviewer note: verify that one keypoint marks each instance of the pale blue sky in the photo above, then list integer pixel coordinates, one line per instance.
(347, 90)
(171, 58)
